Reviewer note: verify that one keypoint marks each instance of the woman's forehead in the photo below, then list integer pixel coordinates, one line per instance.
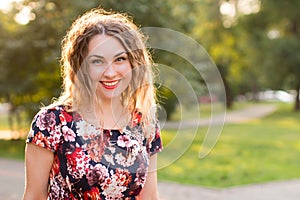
(104, 45)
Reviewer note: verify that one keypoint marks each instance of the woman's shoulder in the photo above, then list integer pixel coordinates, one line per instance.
(46, 127)
(56, 108)
(52, 112)
(50, 118)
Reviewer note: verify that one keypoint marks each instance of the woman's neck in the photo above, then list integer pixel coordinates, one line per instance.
(109, 105)
(112, 114)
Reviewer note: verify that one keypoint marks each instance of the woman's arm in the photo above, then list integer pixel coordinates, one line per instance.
(38, 163)
(150, 190)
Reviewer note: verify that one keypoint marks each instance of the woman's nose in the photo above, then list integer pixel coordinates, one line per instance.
(109, 70)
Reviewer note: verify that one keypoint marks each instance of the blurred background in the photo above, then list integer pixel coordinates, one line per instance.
(255, 44)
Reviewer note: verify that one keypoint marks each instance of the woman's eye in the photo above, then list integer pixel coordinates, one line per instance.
(120, 59)
(97, 62)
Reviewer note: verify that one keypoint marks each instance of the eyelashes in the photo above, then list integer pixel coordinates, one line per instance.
(101, 62)
(122, 58)
(97, 61)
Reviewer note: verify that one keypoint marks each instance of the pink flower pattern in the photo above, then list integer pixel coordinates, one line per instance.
(46, 121)
(68, 133)
(87, 167)
(124, 141)
(96, 174)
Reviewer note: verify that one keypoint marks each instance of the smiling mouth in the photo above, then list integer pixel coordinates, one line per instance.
(110, 84)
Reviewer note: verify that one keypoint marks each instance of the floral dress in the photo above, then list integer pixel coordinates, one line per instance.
(90, 163)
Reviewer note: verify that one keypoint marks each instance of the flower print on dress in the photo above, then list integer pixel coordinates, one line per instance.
(46, 121)
(136, 119)
(123, 176)
(95, 148)
(86, 130)
(89, 167)
(68, 134)
(111, 149)
(154, 143)
(125, 161)
(129, 144)
(135, 133)
(55, 167)
(124, 141)
(96, 174)
(77, 162)
(45, 132)
(117, 183)
(141, 175)
(109, 159)
(65, 117)
(55, 137)
(59, 189)
(42, 141)
(127, 156)
(92, 194)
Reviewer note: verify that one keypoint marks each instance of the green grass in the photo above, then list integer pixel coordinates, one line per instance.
(258, 151)
(12, 149)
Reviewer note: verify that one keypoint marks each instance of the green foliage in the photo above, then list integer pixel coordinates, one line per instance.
(273, 41)
(167, 100)
(30, 53)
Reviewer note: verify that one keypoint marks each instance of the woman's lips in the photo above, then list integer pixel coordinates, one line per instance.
(110, 85)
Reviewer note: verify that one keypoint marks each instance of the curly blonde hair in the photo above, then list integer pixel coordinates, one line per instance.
(77, 88)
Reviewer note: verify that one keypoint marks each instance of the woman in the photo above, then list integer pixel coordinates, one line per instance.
(100, 138)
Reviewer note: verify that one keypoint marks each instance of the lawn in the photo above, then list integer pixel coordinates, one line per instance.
(258, 151)
(12, 149)
(263, 150)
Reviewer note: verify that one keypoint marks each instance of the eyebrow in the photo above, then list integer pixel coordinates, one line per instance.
(118, 54)
(98, 56)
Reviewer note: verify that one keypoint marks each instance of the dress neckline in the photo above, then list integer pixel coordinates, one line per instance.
(135, 118)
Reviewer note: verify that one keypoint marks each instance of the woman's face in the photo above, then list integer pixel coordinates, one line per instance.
(108, 66)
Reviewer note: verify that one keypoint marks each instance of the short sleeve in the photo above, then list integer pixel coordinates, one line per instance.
(45, 129)
(156, 141)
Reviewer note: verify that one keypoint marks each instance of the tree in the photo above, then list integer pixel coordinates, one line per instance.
(276, 32)
(218, 40)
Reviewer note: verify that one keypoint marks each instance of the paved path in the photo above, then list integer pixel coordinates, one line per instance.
(237, 116)
(12, 176)
(11, 179)
(12, 186)
(285, 190)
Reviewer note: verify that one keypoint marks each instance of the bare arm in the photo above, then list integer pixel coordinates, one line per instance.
(38, 163)
(150, 190)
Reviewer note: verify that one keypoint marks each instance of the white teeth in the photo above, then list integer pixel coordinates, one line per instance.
(109, 83)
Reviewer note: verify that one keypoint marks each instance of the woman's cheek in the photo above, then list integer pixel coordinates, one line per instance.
(95, 73)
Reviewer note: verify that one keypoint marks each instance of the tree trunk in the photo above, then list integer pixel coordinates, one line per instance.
(297, 100)
(294, 30)
(229, 96)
